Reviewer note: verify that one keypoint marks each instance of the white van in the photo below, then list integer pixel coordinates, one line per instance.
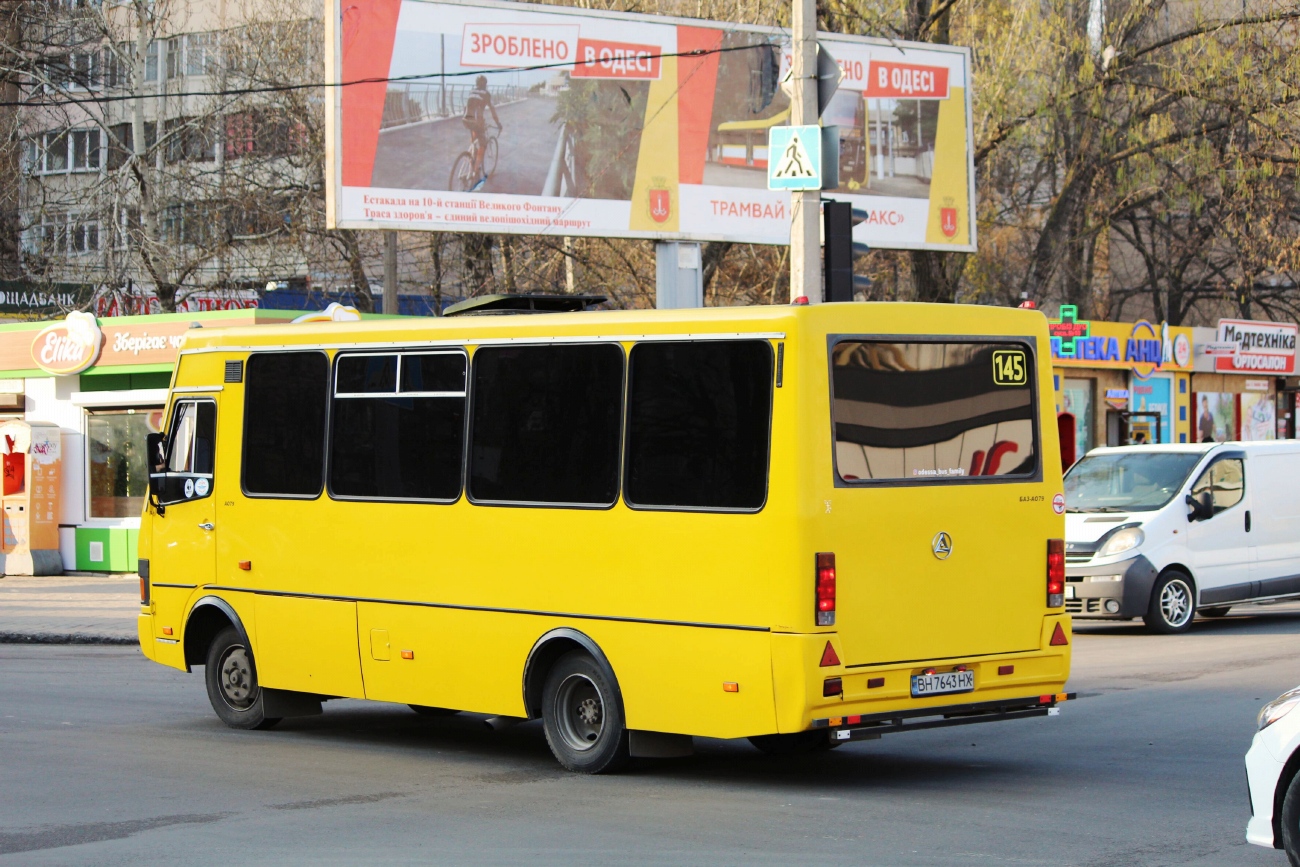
(1162, 532)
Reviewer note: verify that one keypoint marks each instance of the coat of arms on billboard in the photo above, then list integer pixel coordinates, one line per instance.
(948, 221)
(661, 206)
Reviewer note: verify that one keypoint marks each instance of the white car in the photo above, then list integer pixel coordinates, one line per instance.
(1271, 765)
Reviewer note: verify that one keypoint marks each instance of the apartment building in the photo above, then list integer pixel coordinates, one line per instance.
(167, 150)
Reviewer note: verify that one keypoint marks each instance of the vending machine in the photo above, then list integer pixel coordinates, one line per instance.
(30, 453)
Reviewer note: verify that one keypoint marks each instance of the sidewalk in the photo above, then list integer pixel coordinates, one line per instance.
(69, 609)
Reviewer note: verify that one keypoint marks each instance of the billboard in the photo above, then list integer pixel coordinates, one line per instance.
(511, 118)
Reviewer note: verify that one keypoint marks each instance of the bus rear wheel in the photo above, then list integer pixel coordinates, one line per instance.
(582, 716)
(232, 683)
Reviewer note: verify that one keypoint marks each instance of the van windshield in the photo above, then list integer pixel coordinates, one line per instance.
(1139, 482)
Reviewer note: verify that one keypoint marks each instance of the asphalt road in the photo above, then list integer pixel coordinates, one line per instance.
(419, 157)
(106, 759)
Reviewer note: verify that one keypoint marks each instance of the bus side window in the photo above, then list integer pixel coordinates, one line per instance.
(187, 471)
(699, 419)
(398, 426)
(285, 398)
(180, 446)
(546, 424)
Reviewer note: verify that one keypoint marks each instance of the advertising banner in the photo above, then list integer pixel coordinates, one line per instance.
(1261, 347)
(511, 118)
(1141, 347)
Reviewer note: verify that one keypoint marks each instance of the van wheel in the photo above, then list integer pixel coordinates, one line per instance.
(582, 716)
(1172, 604)
(1216, 611)
(794, 744)
(232, 683)
(426, 710)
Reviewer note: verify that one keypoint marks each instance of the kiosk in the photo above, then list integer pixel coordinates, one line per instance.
(31, 460)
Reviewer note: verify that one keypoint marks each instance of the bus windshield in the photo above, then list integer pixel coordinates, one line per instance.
(1138, 482)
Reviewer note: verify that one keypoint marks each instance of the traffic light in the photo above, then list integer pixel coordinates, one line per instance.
(839, 218)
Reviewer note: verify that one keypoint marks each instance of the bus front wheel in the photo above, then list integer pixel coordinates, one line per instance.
(582, 716)
(232, 683)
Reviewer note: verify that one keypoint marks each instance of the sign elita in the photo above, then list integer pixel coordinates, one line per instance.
(499, 117)
(68, 346)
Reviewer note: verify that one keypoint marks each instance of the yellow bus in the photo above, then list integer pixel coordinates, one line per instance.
(800, 525)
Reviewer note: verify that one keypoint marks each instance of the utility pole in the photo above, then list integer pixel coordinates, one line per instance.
(390, 273)
(805, 206)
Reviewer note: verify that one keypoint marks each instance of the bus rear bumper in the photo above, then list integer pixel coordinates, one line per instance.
(811, 687)
(872, 726)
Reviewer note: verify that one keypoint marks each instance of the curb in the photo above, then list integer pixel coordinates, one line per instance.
(66, 638)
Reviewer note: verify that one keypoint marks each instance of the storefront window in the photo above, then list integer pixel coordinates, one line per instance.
(1258, 419)
(1149, 403)
(1216, 417)
(119, 479)
(1076, 399)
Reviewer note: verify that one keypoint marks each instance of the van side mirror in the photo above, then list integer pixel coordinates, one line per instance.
(1199, 510)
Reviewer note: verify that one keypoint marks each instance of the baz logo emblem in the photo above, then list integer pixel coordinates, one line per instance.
(941, 545)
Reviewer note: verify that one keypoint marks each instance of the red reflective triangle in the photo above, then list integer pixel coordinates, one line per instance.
(1058, 636)
(829, 657)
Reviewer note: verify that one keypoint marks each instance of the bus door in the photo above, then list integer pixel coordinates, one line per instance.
(940, 440)
(184, 545)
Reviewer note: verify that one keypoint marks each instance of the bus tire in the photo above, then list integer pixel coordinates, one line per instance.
(1173, 603)
(427, 710)
(793, 744)
(582, 715)
(232, 682)
(1215, 611)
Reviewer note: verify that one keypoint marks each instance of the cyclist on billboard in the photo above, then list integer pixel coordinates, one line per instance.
(475, 119)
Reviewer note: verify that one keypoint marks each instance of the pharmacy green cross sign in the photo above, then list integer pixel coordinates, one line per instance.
(1068, 329)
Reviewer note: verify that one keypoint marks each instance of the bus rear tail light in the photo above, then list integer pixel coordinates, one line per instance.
(1055, 573)
(142, 567)
(832, 686)
(825, 589)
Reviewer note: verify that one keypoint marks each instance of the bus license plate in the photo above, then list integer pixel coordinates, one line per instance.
(938, 684)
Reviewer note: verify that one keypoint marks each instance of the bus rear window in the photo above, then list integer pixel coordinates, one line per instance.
(933, 411)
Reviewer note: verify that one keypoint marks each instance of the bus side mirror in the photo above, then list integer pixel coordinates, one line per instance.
(155, 452)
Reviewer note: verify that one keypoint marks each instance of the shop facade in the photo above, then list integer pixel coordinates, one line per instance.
(104, 384)
(1244, 381)
(1119, 383)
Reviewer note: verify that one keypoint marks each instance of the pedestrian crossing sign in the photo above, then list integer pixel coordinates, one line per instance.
(794, 158)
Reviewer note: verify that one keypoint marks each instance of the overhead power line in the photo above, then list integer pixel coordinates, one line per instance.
(284, 88)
